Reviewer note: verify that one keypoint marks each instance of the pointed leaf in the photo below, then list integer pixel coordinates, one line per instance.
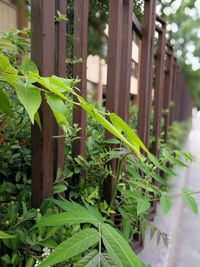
(189, 200)
(72, 246)
(165, 203)
(30, 97)
(118, 248)
(4, 103)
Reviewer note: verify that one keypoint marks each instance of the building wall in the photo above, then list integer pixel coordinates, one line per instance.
(8, 16)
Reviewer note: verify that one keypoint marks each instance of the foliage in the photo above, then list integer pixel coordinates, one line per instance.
(183, 29)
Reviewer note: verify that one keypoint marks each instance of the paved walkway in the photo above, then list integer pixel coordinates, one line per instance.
(180, 224)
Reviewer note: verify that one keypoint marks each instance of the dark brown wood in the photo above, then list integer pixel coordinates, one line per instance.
(158, 93)
(168, 83)
(136, 25)
(114, 55)
(60, 70)
(126, 54)
(114, 69)
(79, 70)
(146, 71)
(22, 21)
(173, 92)
(42, 41)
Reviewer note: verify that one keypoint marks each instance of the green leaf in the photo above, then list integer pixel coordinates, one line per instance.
(30, 262)
(59, 109)
(143, 205)
(7, 71)
(189, 200)
(4, 235)
(28, 65)
(73, 246)
(118, 248)
(130, 134)
(90, 260)
(59, 188)
(30, 97)
(4, 103)
(165, 203)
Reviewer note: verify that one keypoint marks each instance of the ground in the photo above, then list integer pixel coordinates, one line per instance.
(180, 224)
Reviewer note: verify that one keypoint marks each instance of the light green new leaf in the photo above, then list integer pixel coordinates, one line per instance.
(27, 66)
(72, 246)
(59, 109)
(30, 97)
(7, 71)
(143, 205)
(4, 235)
(189, 200)
(130, 134)
(4, 103)
(165, 203)
(118, 249)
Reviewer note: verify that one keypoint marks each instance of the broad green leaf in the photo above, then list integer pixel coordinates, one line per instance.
(189, 200)
(30, 97)
(4, 103)
(118, 248)
(143, 205)
(7, 71)
(165, 203)
(4, 235)
(72, 206)
(27, 66)
(59, 109)
(73, 246)
(90, 260)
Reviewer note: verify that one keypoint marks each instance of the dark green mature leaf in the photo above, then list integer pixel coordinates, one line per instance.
(90, 260)
(118, 248)
(71, 217)
(165, 203)
(4, 103)
(73, 246)
(30, 97)
(189, 200)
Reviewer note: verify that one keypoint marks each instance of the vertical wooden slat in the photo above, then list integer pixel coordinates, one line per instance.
(79, 69)
(159, 83)
(114, 55)
(113, 80)
(126, 54)
(146, 70)
(173, 92)
(168, 82)
(60, 70)
(42, 40)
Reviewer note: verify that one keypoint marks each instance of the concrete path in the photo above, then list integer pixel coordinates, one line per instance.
(180, 224)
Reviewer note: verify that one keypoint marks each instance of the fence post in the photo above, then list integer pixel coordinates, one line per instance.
(60, 70)
(126, 54)
(159, 83)
(113, 78)
(81, 8)
(168, 82)
(42, 40)
(146, 70)
(173, 92)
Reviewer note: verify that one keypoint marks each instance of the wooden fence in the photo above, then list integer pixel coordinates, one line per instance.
(158, 72)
